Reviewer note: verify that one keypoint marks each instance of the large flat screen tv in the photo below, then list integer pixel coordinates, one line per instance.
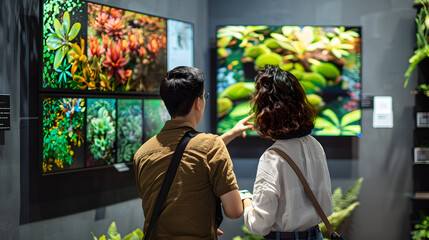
(325, 59)
(98, 47)
(98, 72)
(99, 92)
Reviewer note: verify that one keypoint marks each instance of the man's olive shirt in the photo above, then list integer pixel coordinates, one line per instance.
(205, 171)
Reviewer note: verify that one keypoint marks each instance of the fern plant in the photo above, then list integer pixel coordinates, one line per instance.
(344, 204)
(113, 234)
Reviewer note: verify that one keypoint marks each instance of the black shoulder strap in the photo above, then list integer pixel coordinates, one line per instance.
(169, 177)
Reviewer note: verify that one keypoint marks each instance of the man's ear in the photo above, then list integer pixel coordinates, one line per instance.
(197, 104)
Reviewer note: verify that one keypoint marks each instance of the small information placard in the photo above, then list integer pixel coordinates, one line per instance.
(4, 112)
(121, 167)
(383, 112)
(423, 119)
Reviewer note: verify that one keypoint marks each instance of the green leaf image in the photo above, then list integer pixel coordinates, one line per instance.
(238, 90)
(351, 117)
(331, 126)
(241, 110)
(332, 116)
(74, 31)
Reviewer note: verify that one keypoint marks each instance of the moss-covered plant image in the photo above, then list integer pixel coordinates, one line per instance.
(130, 131)
(63, 135)
(155, 115)
(326, 61)
(101, 131)
(344, 204)
(113, 234)
(88, 46)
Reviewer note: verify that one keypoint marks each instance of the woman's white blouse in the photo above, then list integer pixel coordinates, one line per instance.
(279, 199)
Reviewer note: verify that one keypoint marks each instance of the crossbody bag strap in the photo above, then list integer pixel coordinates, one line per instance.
(169, 177)
(307, 189)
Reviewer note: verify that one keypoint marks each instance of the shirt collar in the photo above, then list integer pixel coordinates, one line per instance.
(176, 124)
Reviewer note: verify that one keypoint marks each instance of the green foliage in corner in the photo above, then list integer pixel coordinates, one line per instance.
(248, 235)
(113, 234)
(422, 51)
(344, 204)
(421, 229)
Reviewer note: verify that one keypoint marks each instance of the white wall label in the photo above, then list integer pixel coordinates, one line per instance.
(383, 112)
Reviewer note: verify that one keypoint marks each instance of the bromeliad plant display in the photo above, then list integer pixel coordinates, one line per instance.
(130, 47)
(63, 121)
(130, 136)
(113, 50)
(113, 234)
(326, 61)
(101, 131)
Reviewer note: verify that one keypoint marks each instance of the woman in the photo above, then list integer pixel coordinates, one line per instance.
(280, 208)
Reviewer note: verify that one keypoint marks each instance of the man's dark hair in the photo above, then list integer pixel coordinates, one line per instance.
(179, 89)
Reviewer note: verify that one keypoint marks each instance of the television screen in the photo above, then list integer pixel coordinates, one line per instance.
(180, 44)
(326, 61)
(95, 47)
(101, 131)
(63, 134)
(155, 115)
(130, 128)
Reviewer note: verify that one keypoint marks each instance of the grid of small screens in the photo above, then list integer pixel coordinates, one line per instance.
(325, 60)
(88, 132)
(102, 68)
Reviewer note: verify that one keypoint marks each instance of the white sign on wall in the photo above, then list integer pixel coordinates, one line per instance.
(383, 112)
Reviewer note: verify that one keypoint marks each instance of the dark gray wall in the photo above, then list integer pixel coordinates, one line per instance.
(17, 51)
(384, 155)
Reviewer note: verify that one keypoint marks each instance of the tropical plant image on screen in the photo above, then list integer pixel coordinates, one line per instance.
(101, 131)
(155, 115)
(132, 47)
(62, 27)
(89, 46)
(63, 137)
(326, 61)
(130, 122)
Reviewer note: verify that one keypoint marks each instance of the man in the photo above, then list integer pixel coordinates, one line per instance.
(205, 171)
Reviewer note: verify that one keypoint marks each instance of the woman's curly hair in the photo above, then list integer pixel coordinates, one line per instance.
(280, 104)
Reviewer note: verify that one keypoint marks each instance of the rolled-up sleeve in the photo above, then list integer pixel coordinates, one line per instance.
(262, 214)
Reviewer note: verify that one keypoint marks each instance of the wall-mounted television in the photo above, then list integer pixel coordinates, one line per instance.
(98, 47)
(325, 59)
(94, 57)
(99, 70)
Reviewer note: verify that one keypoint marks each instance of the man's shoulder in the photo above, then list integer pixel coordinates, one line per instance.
(205, 141)
(148, 147)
